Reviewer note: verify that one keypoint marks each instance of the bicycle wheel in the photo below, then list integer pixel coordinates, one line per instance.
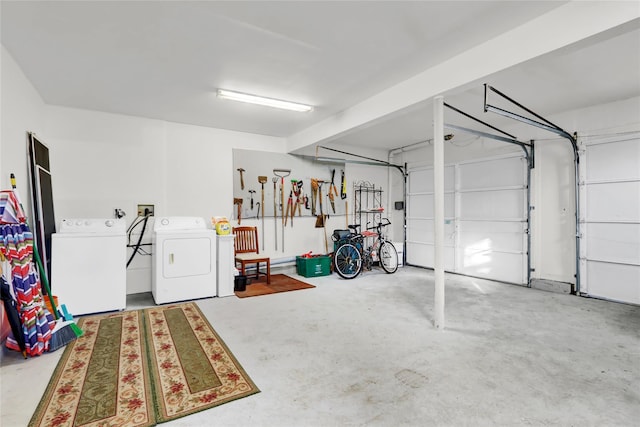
(347, 261)
(388, 257)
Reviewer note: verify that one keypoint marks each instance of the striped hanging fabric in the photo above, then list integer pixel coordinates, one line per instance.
(10, 209)
(16, 244)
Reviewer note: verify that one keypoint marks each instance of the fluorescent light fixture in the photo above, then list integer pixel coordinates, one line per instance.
(269, 102)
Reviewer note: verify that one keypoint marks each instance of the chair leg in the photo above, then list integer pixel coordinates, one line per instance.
(268, 272)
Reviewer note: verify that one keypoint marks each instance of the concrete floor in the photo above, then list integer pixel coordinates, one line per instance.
(364, 352)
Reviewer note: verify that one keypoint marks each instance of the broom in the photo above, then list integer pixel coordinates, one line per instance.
(65, 331)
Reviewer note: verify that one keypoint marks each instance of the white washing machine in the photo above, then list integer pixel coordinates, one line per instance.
(88, 265)
(184, 259)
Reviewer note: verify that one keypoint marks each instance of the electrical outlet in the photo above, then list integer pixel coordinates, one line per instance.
(144, 210)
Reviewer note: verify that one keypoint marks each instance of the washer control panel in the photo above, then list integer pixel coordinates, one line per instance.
(93, 225)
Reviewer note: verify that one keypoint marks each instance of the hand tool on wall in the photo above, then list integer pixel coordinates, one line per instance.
(289, 207)
(282, 173)
(343, 196)
(332, 187)
(295, 203)
(314, 195)
(262, 180)
(300, 198)
(333, 191)
(282, 210)
(258, 205)
(343, 185)
(241, 178)
(320, 218)
(291, 202)
(238, 202)
(275, 213)
(251, 193)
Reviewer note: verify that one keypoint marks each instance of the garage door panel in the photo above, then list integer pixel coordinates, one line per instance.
(422, 205)
(498, 236)
(421, 230)
(613, 242)
(494, 265)
(491, 174)
(492, 204)
(613, 161)
(422, 255)
(610, 264)
(419, 254)
(614, 201)
(421, 180)
(484, 210)
(616, 282)
(417, 229)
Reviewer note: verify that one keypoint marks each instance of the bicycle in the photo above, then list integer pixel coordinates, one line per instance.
(351, 257)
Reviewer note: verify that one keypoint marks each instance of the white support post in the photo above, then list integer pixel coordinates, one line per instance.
(438, 215)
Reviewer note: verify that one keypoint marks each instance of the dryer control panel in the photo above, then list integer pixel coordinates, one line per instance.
(177, 223)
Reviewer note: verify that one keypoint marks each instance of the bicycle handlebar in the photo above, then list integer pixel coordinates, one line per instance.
(380, 224)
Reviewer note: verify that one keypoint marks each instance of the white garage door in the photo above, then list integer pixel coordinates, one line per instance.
(610, 250)
(485, 218)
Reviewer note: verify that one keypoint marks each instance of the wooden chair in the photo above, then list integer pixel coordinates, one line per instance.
(247, 252)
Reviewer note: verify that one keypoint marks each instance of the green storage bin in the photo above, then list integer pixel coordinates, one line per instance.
(314, 266)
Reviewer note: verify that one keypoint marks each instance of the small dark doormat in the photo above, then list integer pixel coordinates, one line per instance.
(279, 283)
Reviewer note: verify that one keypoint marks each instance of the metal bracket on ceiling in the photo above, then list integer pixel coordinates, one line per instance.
(372, 161)
(544, 124)
(526, 147)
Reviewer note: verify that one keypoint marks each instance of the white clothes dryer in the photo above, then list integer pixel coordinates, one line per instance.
(184, 260)
(88, 265)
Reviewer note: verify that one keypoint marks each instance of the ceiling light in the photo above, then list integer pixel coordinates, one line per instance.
(269, 102)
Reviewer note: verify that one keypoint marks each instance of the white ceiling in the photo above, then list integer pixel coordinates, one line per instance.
(164, 60)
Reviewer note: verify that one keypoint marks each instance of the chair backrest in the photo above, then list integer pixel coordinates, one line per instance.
(246, 240)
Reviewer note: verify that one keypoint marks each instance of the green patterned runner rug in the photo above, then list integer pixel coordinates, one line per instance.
(191, 366)
(138, 368)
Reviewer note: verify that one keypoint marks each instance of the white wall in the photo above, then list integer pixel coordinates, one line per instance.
(21, 110)
(104, 161)
(553, 220)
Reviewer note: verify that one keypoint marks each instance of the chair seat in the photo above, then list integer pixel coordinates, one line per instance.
(251, 257)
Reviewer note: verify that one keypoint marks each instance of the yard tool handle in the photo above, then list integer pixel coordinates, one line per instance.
(45, 281)
(275, 213)
(262, 207)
